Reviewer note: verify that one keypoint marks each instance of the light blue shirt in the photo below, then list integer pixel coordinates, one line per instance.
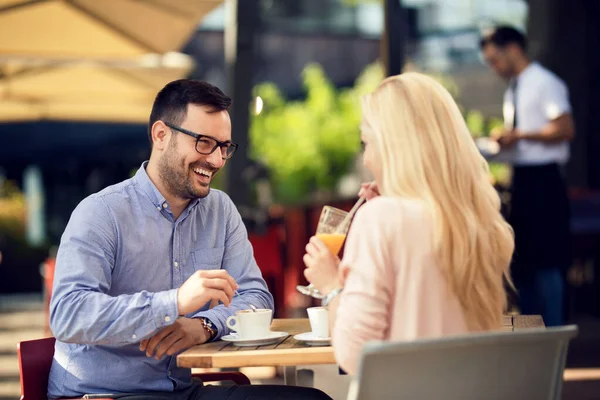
(121, 259)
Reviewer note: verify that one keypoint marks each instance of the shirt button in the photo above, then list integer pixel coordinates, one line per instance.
(165, 205)
(158, 208)
(167, 319)
(134, 336)
(176, 264)
(169, 373)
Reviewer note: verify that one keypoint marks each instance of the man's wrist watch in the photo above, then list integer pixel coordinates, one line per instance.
(209, 327)
(330, 296)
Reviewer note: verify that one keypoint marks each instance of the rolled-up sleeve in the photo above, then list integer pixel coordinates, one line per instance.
(81, 310)
(239, 261)
(555, 101)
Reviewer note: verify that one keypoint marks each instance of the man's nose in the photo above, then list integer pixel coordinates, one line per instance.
(215, 158)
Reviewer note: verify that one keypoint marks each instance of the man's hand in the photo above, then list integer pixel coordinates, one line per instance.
(183, 334)
(204, 286)
(508, 138)
(498, 132)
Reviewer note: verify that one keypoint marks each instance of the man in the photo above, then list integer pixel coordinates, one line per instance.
(153, 265)
(538, 128)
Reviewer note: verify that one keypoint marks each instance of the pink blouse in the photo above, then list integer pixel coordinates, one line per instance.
(394, 290)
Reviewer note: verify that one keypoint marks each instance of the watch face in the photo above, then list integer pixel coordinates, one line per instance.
(208, 325)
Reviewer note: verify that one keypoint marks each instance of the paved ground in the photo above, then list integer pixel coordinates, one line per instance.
(22, 318)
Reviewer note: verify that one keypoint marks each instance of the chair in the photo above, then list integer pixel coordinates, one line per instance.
(268, 255)
(520, 365)
(35, 359)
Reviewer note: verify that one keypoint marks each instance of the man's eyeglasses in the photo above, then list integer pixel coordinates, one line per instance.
(207, 144)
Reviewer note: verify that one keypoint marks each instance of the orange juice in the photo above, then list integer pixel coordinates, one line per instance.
(333, 241)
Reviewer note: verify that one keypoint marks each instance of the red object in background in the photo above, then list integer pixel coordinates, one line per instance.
(35, 360)
(48, 274)
(268, 253)
(49, 266)
(300, 225)
(295, 241)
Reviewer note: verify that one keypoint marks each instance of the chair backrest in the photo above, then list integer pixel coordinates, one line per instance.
(520, 365)
(35, 360)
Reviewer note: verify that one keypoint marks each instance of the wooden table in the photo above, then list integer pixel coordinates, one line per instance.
(289, 352)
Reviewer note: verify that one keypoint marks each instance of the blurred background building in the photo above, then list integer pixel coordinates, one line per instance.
(78, 77)
(77, 80)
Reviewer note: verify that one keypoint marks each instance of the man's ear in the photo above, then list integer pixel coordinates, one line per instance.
(160, 135)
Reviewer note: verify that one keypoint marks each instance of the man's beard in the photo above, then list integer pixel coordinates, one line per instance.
(176, 177)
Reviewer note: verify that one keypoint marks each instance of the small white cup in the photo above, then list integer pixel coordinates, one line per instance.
(251, 324)
(319, 321)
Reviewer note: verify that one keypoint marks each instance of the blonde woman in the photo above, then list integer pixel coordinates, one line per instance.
(425, 258)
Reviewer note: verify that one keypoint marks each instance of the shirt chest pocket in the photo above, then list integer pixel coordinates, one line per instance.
(204, 259)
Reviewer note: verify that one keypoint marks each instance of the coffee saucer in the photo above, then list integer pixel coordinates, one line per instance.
(237, 341)
(310, 339)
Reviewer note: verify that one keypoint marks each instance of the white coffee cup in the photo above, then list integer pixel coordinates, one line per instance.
(251, 324)
(319, 321)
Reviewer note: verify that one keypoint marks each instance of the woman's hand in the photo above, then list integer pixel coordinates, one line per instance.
(322, 266)
(368, 190)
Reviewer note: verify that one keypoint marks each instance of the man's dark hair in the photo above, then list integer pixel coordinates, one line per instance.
(170, 104)
(502, 36)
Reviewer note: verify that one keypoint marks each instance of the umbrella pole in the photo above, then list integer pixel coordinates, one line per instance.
(241, 31)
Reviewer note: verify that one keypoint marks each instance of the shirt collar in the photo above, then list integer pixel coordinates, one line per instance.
(142, 179)
(532, 66)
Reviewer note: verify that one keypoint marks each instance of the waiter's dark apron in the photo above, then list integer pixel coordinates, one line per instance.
(540, 216)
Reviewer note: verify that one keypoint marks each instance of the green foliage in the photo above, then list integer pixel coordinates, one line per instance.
(354, 3)
(501, 173)
(309, 144)
(494, 123)
(12, 210)
(475, 122)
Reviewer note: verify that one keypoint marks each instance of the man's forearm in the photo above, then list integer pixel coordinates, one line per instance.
(86, 317)
(558, 130)
(549, 136)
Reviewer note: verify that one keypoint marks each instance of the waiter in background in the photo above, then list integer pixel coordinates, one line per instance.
(538, 129)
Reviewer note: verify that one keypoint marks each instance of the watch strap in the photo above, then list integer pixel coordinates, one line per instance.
(209, 327)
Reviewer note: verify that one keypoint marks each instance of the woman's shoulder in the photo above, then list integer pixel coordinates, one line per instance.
(388, 208)
(391, 217)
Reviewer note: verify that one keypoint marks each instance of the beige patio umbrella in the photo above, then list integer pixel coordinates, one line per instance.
(104, 29)
(92, 60)
(86, 90)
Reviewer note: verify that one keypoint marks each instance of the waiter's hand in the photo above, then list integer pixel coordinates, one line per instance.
(508, 138)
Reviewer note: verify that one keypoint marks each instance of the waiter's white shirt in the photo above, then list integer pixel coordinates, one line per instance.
(541, 97)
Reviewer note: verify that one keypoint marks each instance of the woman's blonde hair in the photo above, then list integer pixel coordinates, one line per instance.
(428, 153)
